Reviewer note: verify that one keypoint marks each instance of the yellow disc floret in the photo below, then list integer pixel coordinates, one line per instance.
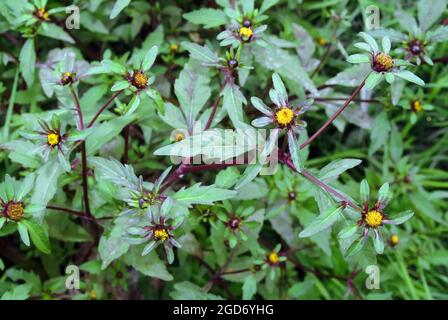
(67, 78)
(273, 257)
(322, 41)
(161, 234)
(42, 14)
(14, 210)
(246, 32)
(284, 116)
(179, 136)
(416, 106)
(383, 62)
(394, 239)
(53, 139)
(140, 80)
(373, 218)
(174, 47)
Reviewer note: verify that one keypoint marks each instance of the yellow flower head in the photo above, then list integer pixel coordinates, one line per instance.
(383, 62)
(273, 257)
(174, 47)
(416, 106)
(322, 41)
(139, 80)
(161, 234)
(394, 239)
(284, 116)
(53, 139)
(42, 14)
(246, 32)
(67, 78)
(373, 218)
(179, 136)
(14, 210)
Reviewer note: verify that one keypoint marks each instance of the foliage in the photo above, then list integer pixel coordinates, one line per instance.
(129, 149)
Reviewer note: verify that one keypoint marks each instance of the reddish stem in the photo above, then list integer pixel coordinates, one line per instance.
(330, 121)
(287, 160)
(103, 107)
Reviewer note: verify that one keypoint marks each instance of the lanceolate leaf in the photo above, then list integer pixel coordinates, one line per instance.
(27, 60)
(198, 194)
(337, 167)
(192, 91)
(323, 221)
(39, 235)
(210, 18)
(201, 53)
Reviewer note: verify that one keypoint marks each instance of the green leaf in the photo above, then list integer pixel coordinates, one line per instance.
(323, 221)
(112, 246)
(188, 291)
(120, 85)
(249, 287)
(429, 12)
(401, 217)
(118, 7)
(47, 179)
(438, 257)
(157, 98)
(409, 76)
(364, 191)
(227, 178)
(294, 150)
(233, 101)
(149, 58)
(201, 53)
(193, 91)
(335, 168)
(358, 58)
(370, 41)
(378, 242)
(379, 132)
(383, 194)
(106, 131)
(216, 144)
(114, 171)
(373, 79)
(23, 231)
(20, 292)
(210, 18)
(133, 104)
(27, 60)
(356, 246)
(149, 265)
(267, 4)
(38, 235)
(279, 86)
(348, 231)
(285, 64)
(198, 194)
(52, 30)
